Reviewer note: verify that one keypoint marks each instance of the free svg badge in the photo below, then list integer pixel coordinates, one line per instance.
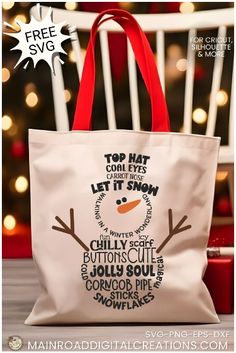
(39, 40)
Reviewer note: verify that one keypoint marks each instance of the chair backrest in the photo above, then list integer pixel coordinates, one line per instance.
(160, 24)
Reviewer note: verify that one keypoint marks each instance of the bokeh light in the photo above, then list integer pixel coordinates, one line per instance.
(71, 56)
(67, 93)
(9, 222)
(71, 5)
(182, 64)
(7, 5)
(221, 175)
(21, 184)
(221, 98)
(126, 5)
(20, 17)
(31, 99)
(199, 116)
(6, 122)
(186, 7)
(5, 74)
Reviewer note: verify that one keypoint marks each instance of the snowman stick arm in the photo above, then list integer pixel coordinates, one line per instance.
(69, 230)
(173, 231)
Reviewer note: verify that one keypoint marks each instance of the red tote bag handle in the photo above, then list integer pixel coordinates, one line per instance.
(147, 66)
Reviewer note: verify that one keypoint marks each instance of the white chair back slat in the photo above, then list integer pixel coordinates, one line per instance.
(216, 80)
(167, 22)
(189, 82)
(160, 48)
(133, 88)
(76, 50)
(60, 108)
(107, 80)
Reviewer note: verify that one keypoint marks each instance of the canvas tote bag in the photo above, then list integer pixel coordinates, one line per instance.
(120, 219)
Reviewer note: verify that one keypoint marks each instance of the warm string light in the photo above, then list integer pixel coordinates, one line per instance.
(199, 116)
(181, 64)
(21, 184)
(126, 5)
(6, 122)
(5, 74)
(71, 5)
(221, 98)
(221, 175)
(67, 93)
(186, 7)
(71, 56)
(20, 17)
(9, 222)
(31, 99)
(7, 5)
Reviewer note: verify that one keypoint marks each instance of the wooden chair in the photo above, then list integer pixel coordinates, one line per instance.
(160, 24)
